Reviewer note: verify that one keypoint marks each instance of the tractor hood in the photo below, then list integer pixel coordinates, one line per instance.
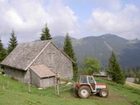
(101, 86)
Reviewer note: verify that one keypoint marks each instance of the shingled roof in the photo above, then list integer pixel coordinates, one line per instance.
(24, 54)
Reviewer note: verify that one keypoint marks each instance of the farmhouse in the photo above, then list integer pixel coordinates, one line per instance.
(37, 63)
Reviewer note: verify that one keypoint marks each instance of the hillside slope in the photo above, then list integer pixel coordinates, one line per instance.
(15, 93)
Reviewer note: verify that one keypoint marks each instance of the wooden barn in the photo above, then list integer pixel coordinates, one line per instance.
(37, 63)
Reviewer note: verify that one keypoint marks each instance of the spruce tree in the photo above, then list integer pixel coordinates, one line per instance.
(45, 35)
(2, 51)
(12, 43)
(68, 49)
(114, 70)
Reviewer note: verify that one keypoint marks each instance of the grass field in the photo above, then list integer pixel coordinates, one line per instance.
(133, 85)
(15, 93)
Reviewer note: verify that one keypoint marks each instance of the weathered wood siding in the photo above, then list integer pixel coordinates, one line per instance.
(42, 82)
(16, 74)
(47, 82)
(56, 61)
(20, 75)
(27, 77)
(35, 80)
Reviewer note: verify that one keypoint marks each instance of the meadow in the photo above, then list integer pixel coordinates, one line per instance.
(13, 92)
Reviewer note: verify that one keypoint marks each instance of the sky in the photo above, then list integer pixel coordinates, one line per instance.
(79, 18)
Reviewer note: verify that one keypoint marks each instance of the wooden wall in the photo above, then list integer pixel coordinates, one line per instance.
(56, 61)
(42, 82)
(16, 74)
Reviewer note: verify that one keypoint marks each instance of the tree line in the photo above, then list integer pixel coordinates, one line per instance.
(133, 73)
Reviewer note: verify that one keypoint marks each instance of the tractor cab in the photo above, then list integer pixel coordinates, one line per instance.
(89, 80)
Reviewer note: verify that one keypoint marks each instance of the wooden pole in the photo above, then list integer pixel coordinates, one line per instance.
(29, 83)
(57, 84)
(58, 88)
(29, 87)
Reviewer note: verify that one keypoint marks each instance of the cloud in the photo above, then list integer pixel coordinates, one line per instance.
(63, 19)
(28, 17)
(124, 21)
(22, 16)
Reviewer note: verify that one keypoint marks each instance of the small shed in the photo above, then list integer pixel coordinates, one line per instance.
(41, 76)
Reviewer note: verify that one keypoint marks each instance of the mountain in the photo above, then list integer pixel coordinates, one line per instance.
(131, 55)
(127, 51)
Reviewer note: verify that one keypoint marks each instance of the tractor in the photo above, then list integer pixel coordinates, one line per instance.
(87, 86)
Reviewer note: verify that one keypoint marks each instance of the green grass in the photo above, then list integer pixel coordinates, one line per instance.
(15, 93)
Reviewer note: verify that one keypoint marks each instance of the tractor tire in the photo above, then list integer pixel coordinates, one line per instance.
(84, 92)
(104, 93)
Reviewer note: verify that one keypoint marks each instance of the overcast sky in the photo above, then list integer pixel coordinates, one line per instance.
(80, 18)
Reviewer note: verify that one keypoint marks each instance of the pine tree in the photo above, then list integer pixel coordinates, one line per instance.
(12, 43)
(114, 70)
(45, 34)
(2, 51)
(68, 49)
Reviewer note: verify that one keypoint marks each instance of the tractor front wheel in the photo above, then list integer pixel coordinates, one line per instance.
(103, 93)
(84, 92)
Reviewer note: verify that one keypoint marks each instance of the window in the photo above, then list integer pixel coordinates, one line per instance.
(83, 79)
(91, 80)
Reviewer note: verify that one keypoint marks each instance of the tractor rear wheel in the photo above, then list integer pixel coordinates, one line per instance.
(103, 93)
(84, 92)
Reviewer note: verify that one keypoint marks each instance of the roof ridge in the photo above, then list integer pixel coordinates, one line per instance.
(38, 55)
